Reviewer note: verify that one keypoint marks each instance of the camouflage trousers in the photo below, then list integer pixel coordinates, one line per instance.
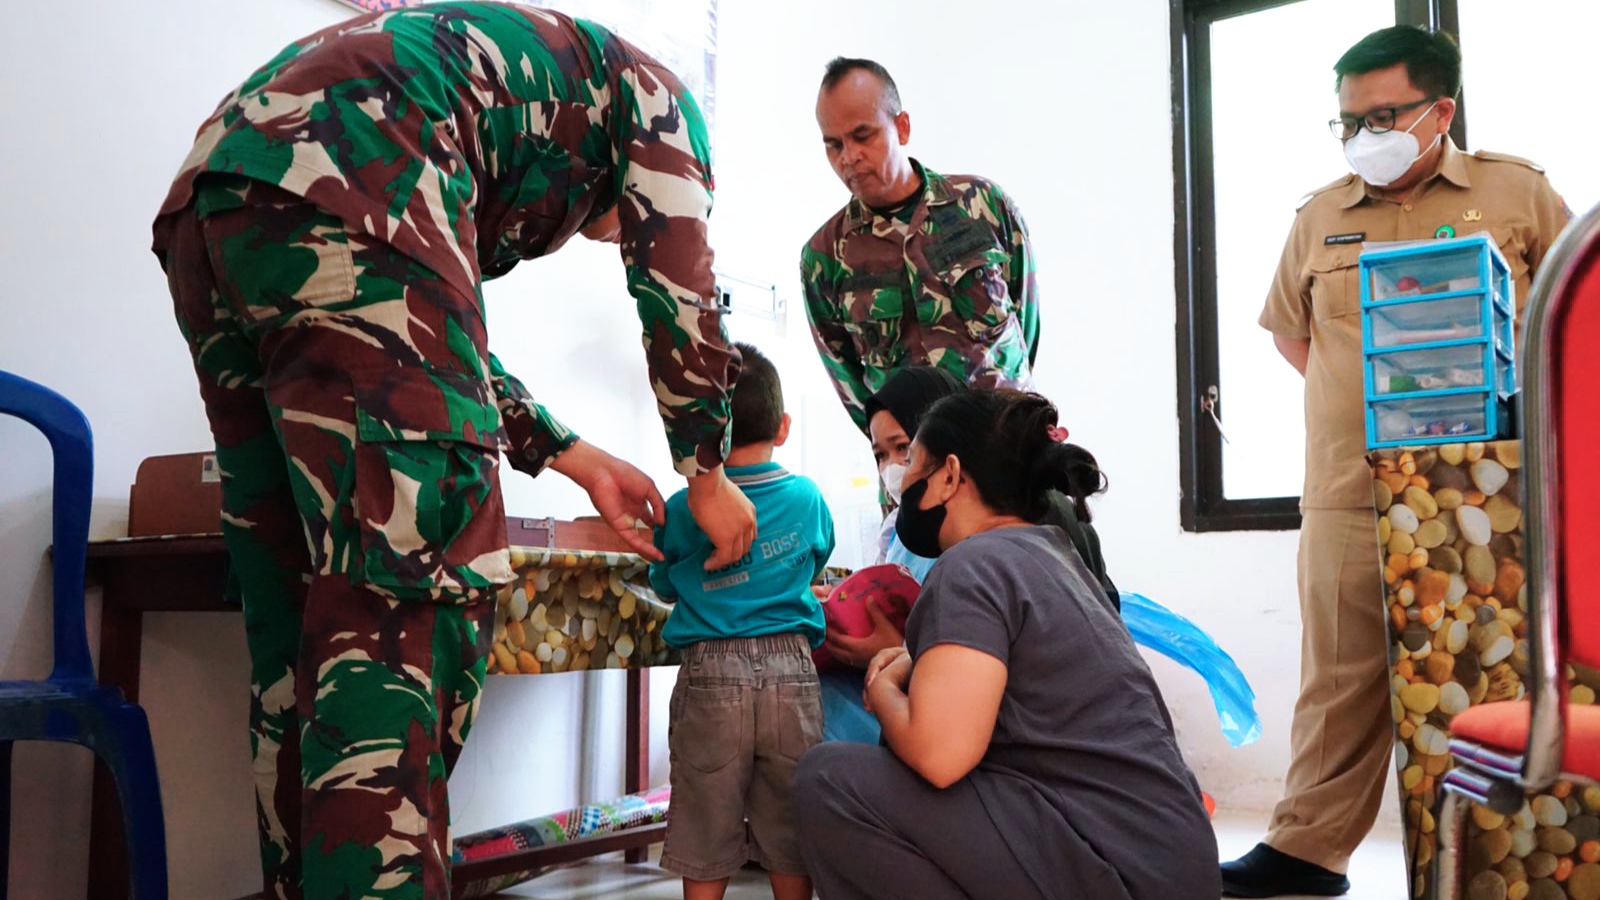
(345, 388)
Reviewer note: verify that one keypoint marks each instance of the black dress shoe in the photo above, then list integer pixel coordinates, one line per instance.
(1265, 872)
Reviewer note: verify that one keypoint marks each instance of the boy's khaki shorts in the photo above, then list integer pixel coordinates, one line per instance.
(743, 712)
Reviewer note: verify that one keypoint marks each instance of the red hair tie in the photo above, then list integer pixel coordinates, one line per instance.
(1057, 433)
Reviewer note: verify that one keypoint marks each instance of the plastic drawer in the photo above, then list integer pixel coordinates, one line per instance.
(1429, 321)
(1431, 419)
(1437, 368)
(1455, 269)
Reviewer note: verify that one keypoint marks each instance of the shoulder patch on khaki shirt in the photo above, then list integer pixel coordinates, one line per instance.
(1490, 156)
(1337, 183)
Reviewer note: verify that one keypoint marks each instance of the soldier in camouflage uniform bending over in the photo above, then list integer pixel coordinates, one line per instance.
(325, 243)
(918, 268)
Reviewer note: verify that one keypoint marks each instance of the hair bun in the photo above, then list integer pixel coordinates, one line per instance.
(1013, 445)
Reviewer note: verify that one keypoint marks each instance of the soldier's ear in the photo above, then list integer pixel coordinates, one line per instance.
(902, 127)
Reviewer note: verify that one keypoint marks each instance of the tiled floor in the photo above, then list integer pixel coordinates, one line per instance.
(1377, 872)
(610, 877)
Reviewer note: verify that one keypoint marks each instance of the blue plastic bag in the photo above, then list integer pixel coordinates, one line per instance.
(1164, 631)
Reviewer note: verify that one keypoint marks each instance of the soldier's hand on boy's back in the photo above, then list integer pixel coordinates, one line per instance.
(725, 515)
(624, 496)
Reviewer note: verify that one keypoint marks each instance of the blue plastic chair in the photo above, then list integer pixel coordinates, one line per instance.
(70, 705)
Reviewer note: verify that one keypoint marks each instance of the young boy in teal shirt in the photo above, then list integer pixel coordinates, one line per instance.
(746, 705)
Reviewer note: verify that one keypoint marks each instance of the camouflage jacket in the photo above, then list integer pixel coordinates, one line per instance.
(472, 135)
(952, 286)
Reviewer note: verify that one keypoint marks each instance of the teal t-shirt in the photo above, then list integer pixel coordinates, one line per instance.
(766, 592)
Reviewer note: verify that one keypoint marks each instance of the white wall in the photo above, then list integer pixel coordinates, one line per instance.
(1065, 104)
(101, 102)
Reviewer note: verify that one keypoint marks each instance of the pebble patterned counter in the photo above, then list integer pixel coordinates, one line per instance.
(572, 610)
(1450, 528)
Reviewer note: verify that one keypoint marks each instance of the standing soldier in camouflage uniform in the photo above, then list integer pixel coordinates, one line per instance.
(325, 244)
(918, 268)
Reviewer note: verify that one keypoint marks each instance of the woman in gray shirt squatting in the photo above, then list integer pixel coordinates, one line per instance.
(1028, 751)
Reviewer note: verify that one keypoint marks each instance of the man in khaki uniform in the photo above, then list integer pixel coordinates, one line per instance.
(1397, 90)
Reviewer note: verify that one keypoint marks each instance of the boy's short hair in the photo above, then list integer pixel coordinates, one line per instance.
(757, 403)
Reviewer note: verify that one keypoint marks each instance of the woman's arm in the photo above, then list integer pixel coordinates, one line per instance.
(939, 715)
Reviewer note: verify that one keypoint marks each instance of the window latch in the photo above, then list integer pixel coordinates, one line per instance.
(1210, 403)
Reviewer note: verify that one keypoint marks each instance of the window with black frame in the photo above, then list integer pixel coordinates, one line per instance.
(1253, 89)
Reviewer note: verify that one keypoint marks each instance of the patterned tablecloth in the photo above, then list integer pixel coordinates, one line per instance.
(572, 610)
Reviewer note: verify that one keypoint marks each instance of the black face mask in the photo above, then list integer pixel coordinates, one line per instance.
(918, 529)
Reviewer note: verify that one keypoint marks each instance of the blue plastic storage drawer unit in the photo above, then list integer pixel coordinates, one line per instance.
(1436, 320)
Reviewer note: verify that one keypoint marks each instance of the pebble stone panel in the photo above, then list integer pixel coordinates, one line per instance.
(1455, 582)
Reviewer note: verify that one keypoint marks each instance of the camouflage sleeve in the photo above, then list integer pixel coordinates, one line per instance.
(536, 437)
(1020, 277)
(834, 345)
(664, 163)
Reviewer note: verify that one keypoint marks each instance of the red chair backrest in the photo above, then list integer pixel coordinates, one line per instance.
(1577, 406)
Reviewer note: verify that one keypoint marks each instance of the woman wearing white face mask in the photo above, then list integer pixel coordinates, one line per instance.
(893, 414)
(892, 417)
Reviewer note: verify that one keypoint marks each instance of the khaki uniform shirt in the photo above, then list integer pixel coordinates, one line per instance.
(1316, 293)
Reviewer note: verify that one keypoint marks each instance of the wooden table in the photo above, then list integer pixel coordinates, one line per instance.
(187, 574)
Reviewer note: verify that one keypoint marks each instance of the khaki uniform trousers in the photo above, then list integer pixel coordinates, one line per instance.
(1342, 739)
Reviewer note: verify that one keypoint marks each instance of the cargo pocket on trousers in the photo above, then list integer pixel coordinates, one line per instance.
(427, 503)
(800, 718)
(709, 728)
(276, 262)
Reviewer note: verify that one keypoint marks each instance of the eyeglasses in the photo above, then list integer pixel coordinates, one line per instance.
(1378, 121)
